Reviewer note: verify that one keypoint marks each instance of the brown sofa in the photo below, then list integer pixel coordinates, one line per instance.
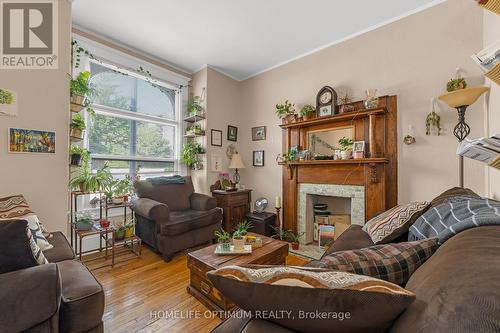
(172, 217)
(457, 290)
(62, 296)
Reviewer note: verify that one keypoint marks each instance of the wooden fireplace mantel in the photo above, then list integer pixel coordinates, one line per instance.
(377, 172)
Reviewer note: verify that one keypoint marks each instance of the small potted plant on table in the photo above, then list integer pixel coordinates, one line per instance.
(224, 239)
(239, 236)
(346, 148)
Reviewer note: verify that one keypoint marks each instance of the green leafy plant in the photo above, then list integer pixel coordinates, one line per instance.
(190, 153)
(242, 228)
(6, 97)
(284, 110)
(77, 150)
(194, 106)
(81, 84)
(307, 110)
(222, 236)
(123, 187)
(280, 233)
(345, 143)
(86, 181)
(456, 84)
(433, 120)
(293, 237)
(195, 129)
(78, 122)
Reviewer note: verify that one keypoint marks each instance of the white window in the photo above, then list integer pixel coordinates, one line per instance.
(136, 126)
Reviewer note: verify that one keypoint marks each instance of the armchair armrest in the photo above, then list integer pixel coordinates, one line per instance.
(202, 202)
(29, 297)
(151, 209)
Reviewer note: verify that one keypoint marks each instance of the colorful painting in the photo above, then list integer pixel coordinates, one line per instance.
(8, 103)
(31, 141)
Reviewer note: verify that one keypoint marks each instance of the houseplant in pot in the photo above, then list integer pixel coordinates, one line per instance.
(129, 229)
(190, 154)
(85, 181)
(84, 222)
(239, 235)
(280, 233)
(346, 148)
(194, 106)
(294, 239)
(195, 129)
(77, 126)
(120, 232)
(121, 190)
(80, 90)
(223, 238)
(286, 111)
(307, 112)
(77, 153)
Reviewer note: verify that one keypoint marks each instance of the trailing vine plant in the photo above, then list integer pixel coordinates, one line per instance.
(433, 120)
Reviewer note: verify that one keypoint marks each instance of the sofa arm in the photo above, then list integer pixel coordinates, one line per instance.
(202, 202)
(150, 209)
(29, 297)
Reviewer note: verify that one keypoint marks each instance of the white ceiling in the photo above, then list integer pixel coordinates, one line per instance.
(238, 37)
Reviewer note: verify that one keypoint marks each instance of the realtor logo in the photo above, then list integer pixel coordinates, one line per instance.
(28, 34)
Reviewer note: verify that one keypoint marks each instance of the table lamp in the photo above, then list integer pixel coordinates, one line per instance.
(461, 99)
(236, 163)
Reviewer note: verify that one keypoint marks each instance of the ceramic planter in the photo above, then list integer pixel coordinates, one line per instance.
(76, 159)
(77, 99)
(346, 154)
(239, 243)
(295, 246)
(104, 224)
(76, 132)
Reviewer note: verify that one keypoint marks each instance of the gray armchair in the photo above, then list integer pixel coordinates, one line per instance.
(171, 217)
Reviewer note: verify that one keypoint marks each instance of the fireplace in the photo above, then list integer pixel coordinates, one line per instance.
(340, 199)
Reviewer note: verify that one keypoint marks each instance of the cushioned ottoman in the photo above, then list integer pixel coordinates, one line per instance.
(82, 301)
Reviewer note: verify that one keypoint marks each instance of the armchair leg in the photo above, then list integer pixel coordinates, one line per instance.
(167, 257)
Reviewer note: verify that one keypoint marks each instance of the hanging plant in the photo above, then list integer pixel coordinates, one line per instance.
(456, 84)
(78, 51)
(190, 154)
(433, 121)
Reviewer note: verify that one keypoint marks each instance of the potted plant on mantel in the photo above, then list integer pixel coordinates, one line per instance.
(77, 126)
(346, 148)
(307, 112)
(80, 91)
(286, 111)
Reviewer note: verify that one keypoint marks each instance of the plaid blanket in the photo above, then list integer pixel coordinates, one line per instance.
(454, 216)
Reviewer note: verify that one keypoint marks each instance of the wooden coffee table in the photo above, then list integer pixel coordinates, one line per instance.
(272, 252)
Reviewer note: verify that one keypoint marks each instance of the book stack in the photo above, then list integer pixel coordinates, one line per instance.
(486, 150)
(489, 61)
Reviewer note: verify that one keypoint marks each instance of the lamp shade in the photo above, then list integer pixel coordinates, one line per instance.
(236, 162)
(463, 97)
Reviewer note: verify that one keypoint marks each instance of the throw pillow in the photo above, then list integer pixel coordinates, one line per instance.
(390, 262)
(351, 239)
(451, 193)
(17, 248)
(313, 300)
(395, 222)
(16, 208)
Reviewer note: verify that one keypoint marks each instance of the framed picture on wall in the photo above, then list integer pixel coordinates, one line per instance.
(216, 138)
(232, 133)
(31, 141)
(258, 158)
(258, 133)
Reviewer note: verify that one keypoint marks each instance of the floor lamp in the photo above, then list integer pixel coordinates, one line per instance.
(461, 100)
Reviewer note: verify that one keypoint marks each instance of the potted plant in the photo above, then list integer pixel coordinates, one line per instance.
(120, 232)
(121, 189)
(223, 238)
(80, 89)
(104, 223)
(280, 233)
(307, 112)
(239, 242)
(456, 84)
(190, 154)
(129, 229)
(286, 111)
(87, 182)
(84, 222)
(243, 227)
(76, 155)
(346, 145)
(294, 239)
(194, 106)
(345, 99)
(77, 126)
(195, 129)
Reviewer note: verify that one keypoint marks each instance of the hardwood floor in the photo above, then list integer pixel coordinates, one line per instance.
(138, 289)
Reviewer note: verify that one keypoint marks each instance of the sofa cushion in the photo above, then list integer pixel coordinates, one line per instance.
(458, 288)
(313, 300)
(61, 250)
(82, 301)
(395, 222)
(175, 196)
(390, 262)
(451, 193)
(15, 250)
(187, 220)
(351, 239)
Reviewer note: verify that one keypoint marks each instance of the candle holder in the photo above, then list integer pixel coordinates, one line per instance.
(278, 222)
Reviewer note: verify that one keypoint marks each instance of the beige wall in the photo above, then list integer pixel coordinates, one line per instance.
(412, 58)
(43, 104)
(491, 35)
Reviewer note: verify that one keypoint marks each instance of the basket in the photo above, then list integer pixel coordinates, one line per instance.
(494, 74)
(491, 5)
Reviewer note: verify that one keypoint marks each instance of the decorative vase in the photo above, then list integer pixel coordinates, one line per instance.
(371, 101)
(239, 243)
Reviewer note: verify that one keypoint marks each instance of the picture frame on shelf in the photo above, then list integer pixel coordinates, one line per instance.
(258, 158)
(216, 138)
(358, 149)
(258, 133)
(232, 133)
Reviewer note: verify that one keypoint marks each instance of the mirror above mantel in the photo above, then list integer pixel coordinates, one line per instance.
(326, 141)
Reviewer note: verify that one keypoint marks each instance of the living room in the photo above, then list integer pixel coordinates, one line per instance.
(233, 166)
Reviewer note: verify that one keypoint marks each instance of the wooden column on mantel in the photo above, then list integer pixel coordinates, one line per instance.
(377, 172)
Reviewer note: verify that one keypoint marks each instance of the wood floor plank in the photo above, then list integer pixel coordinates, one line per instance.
(137, 287)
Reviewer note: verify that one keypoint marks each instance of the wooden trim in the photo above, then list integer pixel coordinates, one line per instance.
(334, 162)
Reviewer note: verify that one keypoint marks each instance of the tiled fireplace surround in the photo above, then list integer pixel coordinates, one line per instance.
(355, 193)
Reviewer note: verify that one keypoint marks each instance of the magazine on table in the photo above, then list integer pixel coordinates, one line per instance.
(486, 150)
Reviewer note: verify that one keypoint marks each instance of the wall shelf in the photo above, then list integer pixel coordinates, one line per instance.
(193, 119)
(338, 162)
(349, 116)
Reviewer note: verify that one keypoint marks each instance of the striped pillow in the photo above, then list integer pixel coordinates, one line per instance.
(395, 222)
(35, 249)
(390, 262)
(303, 292)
